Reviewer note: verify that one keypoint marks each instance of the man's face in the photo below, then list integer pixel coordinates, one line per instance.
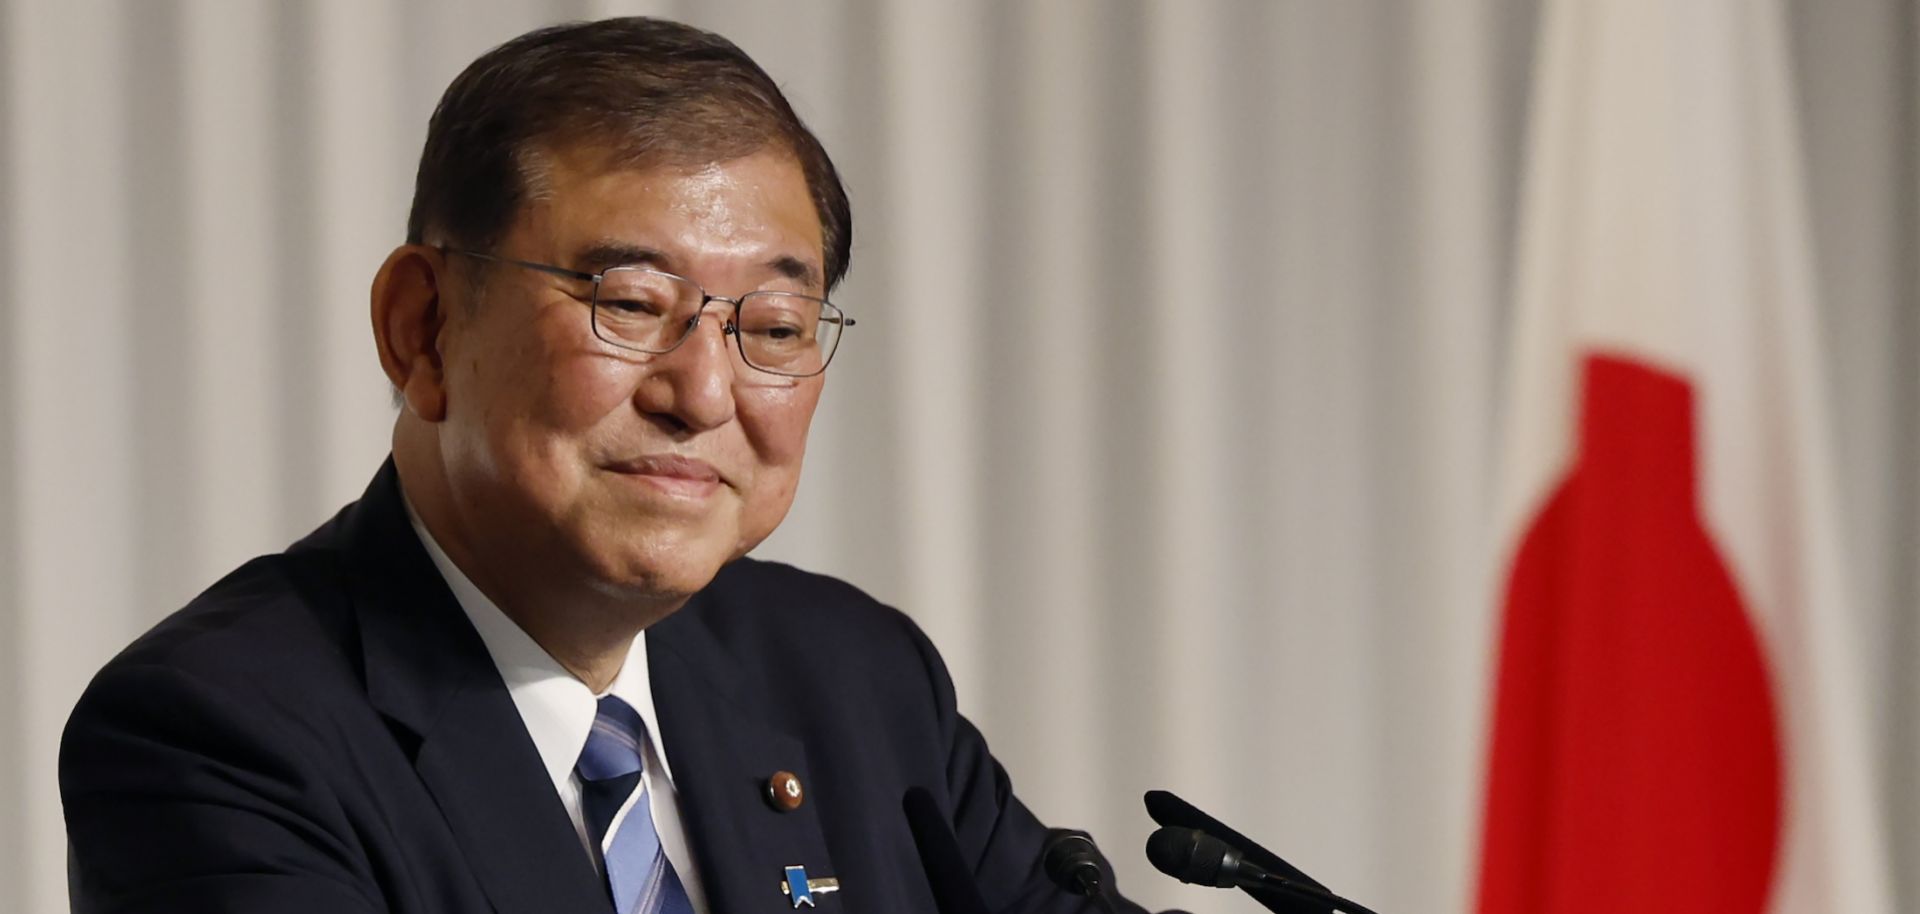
(639, 474)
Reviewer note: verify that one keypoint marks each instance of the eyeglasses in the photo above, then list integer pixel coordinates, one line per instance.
(783, 333)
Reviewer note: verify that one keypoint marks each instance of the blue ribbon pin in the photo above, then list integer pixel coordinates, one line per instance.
(797, 887)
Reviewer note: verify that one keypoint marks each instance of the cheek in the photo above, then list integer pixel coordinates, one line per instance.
(569, 379)
(582, 389)
(776, 422)
(532, 390)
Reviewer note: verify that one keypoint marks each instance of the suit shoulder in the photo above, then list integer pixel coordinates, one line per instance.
(822, 654)
(275, 624)
(811, 623)
(767, 592)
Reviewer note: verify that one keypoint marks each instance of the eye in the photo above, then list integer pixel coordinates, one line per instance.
(779, 319)
(642, 294)
(635, 307)
(780, 332)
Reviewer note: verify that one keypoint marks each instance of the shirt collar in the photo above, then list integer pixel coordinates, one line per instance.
(557, 708)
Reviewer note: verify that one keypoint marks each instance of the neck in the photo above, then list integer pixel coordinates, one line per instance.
(593, 653)
(585, 629)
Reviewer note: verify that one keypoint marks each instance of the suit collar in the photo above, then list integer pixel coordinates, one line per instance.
(417, 646)
(429, 673)
(725, 751)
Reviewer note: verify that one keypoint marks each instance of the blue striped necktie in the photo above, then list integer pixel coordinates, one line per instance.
(639, 876)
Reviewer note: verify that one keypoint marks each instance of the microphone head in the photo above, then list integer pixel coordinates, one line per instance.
(1192, 856)
(1168, 809)
(1071, 861)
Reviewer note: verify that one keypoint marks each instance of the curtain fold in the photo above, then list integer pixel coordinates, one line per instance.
(1170, 413)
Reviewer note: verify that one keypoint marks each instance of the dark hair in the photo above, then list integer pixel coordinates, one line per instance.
(658, 92)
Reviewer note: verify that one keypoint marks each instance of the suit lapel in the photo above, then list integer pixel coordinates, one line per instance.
(430, 674)
(723, 752)
(487, 778)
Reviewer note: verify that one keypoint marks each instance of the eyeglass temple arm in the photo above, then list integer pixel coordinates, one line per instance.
(842, 320)
(542, 267)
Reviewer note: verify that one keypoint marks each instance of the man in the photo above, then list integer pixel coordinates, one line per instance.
(530, 670)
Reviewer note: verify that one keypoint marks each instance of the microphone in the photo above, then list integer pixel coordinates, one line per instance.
(1197, 858)
(1073, 863)
(954, 888)
(1167, 809)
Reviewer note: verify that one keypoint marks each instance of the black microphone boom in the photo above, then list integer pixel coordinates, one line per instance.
(1167, 809)
(1170, 810)
(1197, 858)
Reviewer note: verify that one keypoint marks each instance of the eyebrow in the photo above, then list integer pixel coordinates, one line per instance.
(598, 257)
(796, 269)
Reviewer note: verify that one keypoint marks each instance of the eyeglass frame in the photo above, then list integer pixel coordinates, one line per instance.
(730, 328)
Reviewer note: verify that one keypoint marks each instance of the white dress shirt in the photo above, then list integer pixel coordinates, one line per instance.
(558, 710)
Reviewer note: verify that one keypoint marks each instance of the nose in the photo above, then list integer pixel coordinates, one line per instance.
(692, 386)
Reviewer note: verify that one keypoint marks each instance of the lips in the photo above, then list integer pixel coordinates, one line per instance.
(671, 475)
(685, 480)
(669, 468)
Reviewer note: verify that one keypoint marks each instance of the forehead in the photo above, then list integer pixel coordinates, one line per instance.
(756, 207)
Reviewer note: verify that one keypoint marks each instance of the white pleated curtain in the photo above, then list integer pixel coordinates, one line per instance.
(1170, 413)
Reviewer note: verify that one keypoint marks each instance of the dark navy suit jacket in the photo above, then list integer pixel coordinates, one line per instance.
(324, 731)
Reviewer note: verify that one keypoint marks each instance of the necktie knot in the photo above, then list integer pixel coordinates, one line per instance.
(640, 879)
(613, 745)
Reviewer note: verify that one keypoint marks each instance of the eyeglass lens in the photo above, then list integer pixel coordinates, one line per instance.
(781, 332)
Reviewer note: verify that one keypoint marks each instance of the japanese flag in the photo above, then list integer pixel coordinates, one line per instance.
(1677, 722)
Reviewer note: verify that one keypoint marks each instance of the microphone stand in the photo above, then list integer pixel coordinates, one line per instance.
(1270, 882)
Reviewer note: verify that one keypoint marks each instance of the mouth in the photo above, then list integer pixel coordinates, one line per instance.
(671, 474)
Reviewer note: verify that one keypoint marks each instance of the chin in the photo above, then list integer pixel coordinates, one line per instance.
(675, 573)
(644, 554)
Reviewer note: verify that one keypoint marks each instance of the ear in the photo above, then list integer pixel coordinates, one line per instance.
(408, 316)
